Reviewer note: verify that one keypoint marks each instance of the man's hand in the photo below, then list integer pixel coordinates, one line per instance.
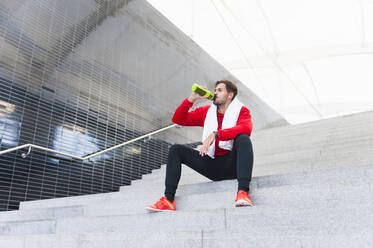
(195, 96)
(206, 144)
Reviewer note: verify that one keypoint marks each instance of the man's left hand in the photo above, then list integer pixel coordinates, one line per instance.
(206, 144)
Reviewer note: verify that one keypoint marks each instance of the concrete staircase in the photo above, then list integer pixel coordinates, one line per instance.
(312, 187)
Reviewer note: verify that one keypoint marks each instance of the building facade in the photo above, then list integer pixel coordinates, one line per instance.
(80, 76)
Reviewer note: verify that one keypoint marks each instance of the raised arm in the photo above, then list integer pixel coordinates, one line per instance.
(182, 115)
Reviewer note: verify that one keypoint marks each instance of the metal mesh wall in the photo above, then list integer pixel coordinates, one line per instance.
(72, 102)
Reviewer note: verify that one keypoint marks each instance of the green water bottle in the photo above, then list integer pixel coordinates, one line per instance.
(201, 91)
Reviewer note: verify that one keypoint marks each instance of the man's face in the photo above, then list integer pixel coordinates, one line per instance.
(221, 94)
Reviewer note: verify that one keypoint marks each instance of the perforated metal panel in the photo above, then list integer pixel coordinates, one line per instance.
(54, 97)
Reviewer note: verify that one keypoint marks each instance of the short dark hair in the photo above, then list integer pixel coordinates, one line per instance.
(231, 87)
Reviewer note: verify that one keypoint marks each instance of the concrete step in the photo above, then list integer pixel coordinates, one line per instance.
(335, 142)
(285, 197)
(288, 237)
(28, 227)
(42, 214)
(313, 187)
(356, 195)
(310, 218)
(355, 171)
(103, 240)
(315, 220)
(310, 140)
(141, 222)
(323, 156)
(344, 176)
(270, 237)
(68, 201)
(353, 123)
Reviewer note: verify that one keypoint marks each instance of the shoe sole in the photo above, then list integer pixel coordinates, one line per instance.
(242, 203)
(154, 210)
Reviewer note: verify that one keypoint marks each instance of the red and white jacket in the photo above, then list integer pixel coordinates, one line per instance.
(197, 117)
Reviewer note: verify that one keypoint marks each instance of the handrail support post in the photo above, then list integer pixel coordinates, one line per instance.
(24, 155)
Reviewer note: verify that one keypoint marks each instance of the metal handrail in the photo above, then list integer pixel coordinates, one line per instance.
(30, 146)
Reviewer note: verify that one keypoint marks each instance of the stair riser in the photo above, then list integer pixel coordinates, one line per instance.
(190, 221)
(212, 187)
(312, 220)
(228, 202)
(346, 159)
(109, 240)
(226, 238)
(349, 173)
(42, 214)
(300, 198)
(306, 241)
(31, 227)
(314, 176)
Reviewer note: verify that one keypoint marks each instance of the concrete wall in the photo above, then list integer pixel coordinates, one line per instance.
(152, 52)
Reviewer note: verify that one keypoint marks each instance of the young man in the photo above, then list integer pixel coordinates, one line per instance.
(226, 151)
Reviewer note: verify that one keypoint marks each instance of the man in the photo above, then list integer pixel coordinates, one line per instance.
(226, 141)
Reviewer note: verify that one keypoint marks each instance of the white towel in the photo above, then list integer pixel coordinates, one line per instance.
(229, 120)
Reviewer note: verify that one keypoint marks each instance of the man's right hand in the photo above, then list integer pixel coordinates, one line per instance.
(195, 96)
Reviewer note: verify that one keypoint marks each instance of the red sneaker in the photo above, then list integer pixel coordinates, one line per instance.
(242, 199)
(163, 205)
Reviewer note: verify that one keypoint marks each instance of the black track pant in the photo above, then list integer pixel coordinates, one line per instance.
(238, 163)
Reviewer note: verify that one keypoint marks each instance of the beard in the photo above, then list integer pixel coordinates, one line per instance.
(217, 104)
